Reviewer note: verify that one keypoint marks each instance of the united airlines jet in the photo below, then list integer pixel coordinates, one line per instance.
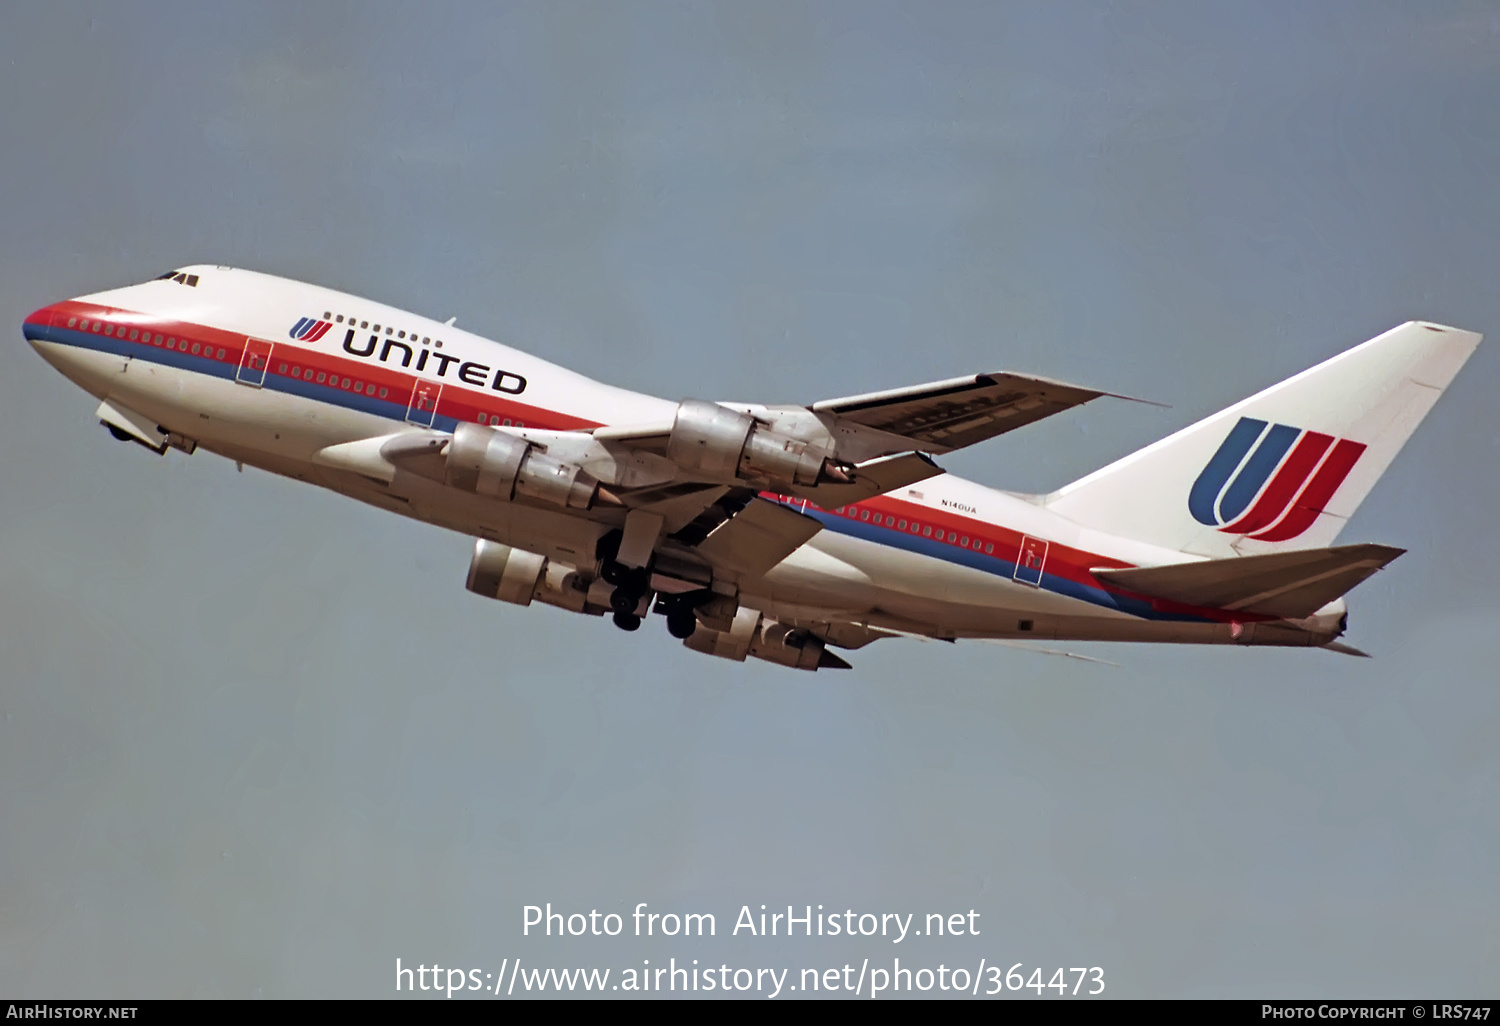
(778, 532)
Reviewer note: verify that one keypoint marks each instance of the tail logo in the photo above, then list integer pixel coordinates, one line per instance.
(309, 330)
(1270, 481)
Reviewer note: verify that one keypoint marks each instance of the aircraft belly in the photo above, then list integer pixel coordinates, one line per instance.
(90, 369)
(215, 411)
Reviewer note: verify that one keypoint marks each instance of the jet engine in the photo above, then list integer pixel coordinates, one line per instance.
(719, 442)
(515, 575)
(751, 634)
(481, 459)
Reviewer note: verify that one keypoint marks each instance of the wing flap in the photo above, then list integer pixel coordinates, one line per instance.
(1292, 585)
(757, 538)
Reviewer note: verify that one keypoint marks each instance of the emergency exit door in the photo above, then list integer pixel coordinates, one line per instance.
(423, 406)
(254, 362)
(1030, 560)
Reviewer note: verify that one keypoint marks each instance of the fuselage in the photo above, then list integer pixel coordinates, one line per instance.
(270, 372)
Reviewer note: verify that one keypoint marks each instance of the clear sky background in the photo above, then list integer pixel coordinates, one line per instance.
(256, 739)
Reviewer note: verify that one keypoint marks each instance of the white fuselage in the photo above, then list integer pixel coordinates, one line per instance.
(220, 363)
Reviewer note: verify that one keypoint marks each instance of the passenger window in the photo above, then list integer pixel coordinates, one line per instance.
(927, 532)
(382, 393)
(864, 515)
(989, 548)
(109, 329)
(96, 327)
(72, 321)
(400, 334)
(345, 383)
(952, 536)
(281, 369)
(364, 324)
(901, 525)
(321, 376)
(339, 319)
(327, 316)
(964, 541)
(171, 343)
(507, 422)
(296, 372)
(221, 354)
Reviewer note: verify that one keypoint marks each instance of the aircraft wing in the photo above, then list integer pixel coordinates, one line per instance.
(1292, 585)
(757, 538)
(945, 415)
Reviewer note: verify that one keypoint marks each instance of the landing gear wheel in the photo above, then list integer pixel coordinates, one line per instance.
(120, 433)
(627, 621)
(613, 572)
(681, 623)
(623, 600)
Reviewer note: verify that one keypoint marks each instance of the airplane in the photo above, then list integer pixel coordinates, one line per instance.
(778, 532)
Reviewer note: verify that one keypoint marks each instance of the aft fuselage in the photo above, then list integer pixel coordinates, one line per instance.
(270, 372)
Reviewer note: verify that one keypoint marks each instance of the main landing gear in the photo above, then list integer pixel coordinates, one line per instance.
(631, 586)
(681, 623)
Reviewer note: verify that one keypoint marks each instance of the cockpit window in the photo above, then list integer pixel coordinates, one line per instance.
(180, 277)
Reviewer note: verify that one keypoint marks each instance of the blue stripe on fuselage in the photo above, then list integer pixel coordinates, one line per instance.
(391, 409)
(395, 410)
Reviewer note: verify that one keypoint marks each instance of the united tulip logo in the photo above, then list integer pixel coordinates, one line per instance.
(1270, 481)
(308, 330)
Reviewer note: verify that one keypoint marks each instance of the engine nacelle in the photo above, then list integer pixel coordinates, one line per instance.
(489, 462)
(751, 634)
(719, 442)
(515, 575)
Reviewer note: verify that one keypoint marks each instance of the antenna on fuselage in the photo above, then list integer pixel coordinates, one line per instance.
(449, 322)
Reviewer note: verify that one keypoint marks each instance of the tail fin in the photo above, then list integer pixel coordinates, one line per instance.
(1285, 468)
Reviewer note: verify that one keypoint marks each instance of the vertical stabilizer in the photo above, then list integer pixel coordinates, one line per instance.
(1285, 468)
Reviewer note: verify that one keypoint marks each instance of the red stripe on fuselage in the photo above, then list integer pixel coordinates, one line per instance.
(466, 404)
(456, 401)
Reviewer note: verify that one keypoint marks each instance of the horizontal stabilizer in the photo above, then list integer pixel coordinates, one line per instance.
(1292, 585)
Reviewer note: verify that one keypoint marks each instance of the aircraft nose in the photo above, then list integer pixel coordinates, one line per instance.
(37, 324)
(87, 367)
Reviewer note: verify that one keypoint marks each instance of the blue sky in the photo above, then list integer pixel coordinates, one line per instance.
(257, 739)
